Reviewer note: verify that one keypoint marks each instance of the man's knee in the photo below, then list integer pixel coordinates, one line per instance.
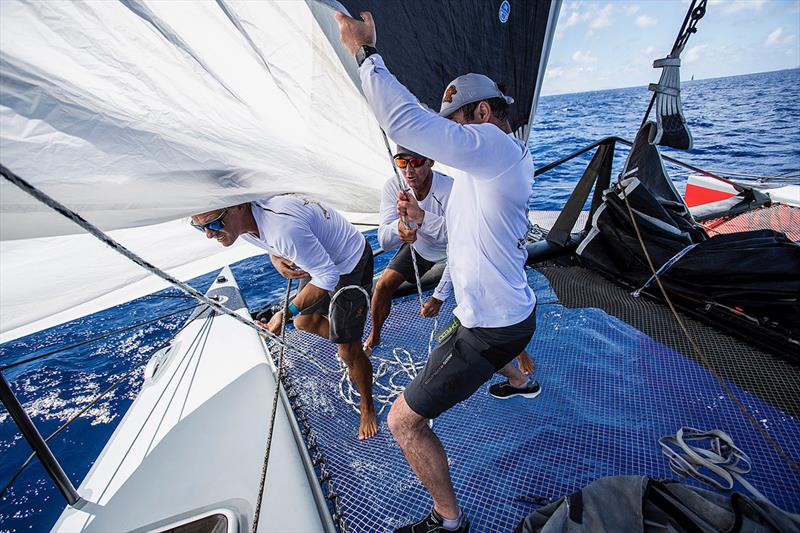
(402, 420)
(389, 281)
(351, 352)
(306, 322)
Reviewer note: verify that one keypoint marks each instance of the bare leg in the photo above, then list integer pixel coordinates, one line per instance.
(315, 323)
(382, 303)
(515, 377)
(425, 454)
(360, 371)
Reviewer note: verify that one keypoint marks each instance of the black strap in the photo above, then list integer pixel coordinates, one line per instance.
(599, 170)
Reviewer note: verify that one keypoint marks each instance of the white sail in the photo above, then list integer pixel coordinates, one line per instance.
(138, 113)
(141, 112)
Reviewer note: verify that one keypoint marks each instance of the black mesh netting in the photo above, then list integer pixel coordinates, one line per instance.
(615, 377)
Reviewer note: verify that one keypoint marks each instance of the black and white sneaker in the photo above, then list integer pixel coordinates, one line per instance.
(433, 524)
(504, 390)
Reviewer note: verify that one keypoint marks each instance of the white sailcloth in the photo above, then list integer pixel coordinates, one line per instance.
(141, 112)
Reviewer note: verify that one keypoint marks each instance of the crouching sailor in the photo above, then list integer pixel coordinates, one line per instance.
(486, 232)
(314, 243)
(432, 190)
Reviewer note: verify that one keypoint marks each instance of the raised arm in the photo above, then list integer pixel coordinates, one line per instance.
(471, 148)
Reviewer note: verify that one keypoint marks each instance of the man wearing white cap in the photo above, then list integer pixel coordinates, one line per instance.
(486, 224)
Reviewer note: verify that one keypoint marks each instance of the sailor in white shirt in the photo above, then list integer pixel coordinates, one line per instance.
(432, 191)
(486, 225)
(309, 241)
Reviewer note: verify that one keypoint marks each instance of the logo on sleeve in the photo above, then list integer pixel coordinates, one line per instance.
(448, 94)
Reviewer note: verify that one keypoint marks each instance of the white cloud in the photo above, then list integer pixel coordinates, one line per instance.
(631, 10)
(694, 53)
(649, 50)
(778, 37)
(584, 58)
(644, 21)
(602, 18)
(734, 6)
(774, 37)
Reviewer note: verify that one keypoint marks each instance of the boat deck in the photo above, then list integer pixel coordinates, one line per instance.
(609, 391)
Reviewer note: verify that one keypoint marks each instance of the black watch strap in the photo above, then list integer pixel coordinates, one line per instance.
(364, 52)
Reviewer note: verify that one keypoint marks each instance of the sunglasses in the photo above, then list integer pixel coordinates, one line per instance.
(213, 225)
(415, 162)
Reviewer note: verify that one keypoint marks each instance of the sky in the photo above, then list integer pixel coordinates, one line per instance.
(605, 44)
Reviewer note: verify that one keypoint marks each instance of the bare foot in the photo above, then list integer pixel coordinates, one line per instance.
(369, 423)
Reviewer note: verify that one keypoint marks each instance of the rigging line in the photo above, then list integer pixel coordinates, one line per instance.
(792, 464)
(86, 408)
(99, 234)
(168, 296)
(263, 481)
(197, 365)
(144, 323)
(402, 186)
(201, 337)
(150, 414)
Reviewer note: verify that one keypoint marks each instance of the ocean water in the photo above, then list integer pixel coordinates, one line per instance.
(743, 124)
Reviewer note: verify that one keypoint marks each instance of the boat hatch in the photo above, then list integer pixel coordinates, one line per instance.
(216, 521)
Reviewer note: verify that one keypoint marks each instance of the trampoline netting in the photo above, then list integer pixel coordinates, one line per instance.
(609, 391)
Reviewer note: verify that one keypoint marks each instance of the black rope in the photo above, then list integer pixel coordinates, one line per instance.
(106, 335)
(275, 399)
(86, 408)
(177, 296)
(97, 233)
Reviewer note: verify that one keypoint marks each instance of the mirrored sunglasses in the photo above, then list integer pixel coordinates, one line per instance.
(415, 162)
(214, 225)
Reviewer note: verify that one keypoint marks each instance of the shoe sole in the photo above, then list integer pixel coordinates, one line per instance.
(529, 395)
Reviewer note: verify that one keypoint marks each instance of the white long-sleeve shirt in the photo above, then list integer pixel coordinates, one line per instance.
(315, 237)
(431, 240)
(487, 216)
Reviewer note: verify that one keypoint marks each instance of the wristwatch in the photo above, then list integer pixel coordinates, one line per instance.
(364, 52)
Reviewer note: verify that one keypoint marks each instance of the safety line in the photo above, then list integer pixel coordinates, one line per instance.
(106, 335)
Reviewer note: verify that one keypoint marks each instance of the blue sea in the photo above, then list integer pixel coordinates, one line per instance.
(743, 124)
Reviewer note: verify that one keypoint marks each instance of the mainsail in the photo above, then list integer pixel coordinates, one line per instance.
(136, 113)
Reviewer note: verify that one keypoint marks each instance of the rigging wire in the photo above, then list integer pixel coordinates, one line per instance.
(105, 335)
(756, 424)
(119, 248)
(263, 481)
(88, 406)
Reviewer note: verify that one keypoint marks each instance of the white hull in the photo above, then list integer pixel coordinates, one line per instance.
(194, 439)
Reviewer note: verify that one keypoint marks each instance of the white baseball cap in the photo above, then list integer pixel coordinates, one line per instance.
(467, 89)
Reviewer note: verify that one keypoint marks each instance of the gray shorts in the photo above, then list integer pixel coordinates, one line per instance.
(402, 263)
(350, 309)
(462, 362)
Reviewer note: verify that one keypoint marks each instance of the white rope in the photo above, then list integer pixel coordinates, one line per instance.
(710, 457)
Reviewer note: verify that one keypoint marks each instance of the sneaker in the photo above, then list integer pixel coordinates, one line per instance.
(433, 524)
(504, 390)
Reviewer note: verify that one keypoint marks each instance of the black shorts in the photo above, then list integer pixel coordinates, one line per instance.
(350, 308)
(464, 361)
(402, 263)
